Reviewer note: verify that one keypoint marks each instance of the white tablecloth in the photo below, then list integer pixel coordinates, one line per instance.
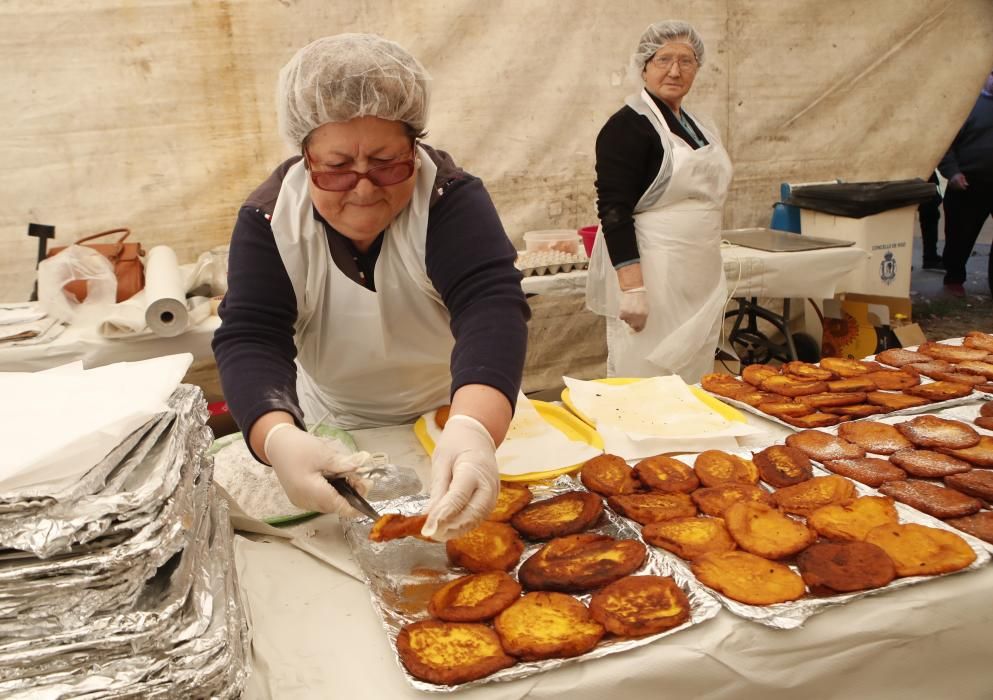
(316, 636)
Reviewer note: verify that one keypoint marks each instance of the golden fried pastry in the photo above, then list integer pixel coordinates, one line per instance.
(986, 409)
(846, 367)
(689, 537)
(979, 525)
(582, 562)
(809, 495)
(928, 464)
(716, 499)
(781, 408)
(666, 474)
(928, 368)
(764, 531)
(878, 438)
(560, 515)
(608, 475)
(843, 567)
(475, 597)
(544, 625)
(859, 410)
(979, 341)
(780, 465)
(985, 422)
(448, 653)
(818, 419)
(511, 498)
(852, 384)
(756, 374)
(980, 367)
(952, 353)
(959, 378)
(489, 547)
(637, 606)
(724, 385)
(870, 471)
(808, 371)
(894, 401)
(980, 455)
(747, 578)
(852, 522)
(932, 431)
(394, 526)
(931, 499)
(940, 391)
(898, 357)
(714, 467)
(653, 507)
(755, 397)
(977, 483)
(893, 379)
(788, 386)
(917, 550)
(823, 447)
(830, 399)
(441, 416)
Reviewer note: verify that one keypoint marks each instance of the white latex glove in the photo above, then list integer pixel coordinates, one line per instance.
(302, 460)
(634, 307)
(464, 479)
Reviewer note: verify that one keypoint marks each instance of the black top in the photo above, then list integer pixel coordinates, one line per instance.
(628, 157)
(971, 152)
(469, 260)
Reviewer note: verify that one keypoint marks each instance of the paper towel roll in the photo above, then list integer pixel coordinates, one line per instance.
(166, 313)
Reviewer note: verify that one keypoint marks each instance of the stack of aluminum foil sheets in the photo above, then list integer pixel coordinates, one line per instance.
(122, 585)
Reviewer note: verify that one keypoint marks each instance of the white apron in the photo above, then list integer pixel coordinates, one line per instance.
(678, 228)
(365, 358)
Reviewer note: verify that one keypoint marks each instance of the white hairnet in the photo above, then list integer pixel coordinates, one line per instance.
(341, 77)
(661, 33)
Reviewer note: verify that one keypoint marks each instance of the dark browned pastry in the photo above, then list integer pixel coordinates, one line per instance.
(932, 431)
(653, 506)
(928, 464)
(475, 597)
(489, 547)
(547, 625)
(952, 353)
(985, 422)
(818, 419)
(859, 410)
(977, 483)
(448, 653)
(878, 438)
(894, 401)
(781, 465)
(842, 567)
(822, 447)
(940, 391)
(716, 499)
(666, 474)
(870, 471)
(608, 475)
(636, 606)
(979, 525)
(583, 562)
(893, 379)
(898, 357)
(980, 455)
(931, 499)
(960, 378)
(441, 416)
(986, 409)
(560, 515)
(983, 369)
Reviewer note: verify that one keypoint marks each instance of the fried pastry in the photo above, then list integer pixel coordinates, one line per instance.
(917, 550)
(986, 409)
(931, 499)
(871, 471)
(689, 537)
(940, 391)
(394, 526)
(582, 562)
(843, 567)
(783, 408)
(979, 341)
(511, 498)
(608, 475)
(560, 515)
(818, 419)
(489, 547)
(986, 388)
(928, 368)
(809, 495)
(714, 467)
(898, 357)
(928, 464)
(979, 455)
(666, 474)
(985, 422)
(724, 385)
(808, 371)
(852, 384)
(448, 653)
(971, 380)
(932, 431)
(716, 499)
(980, 367)
(895, 402)
(475, 597)
(977, 483)
(441, 416)
(878, 438)
(859, 410)
(788, 386)
(780, 465)
(823, 447)
(747, 578)
(636, 606)
(853, 521)
(979, 525)
(653, 507)
(846, 367)
(952, 353)
(755, 397)
(829, 399)
(893, 379)
(544, 625)
(764, 531)
(756, 374)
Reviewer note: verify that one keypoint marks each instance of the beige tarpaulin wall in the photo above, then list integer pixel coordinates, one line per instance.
(158, 114)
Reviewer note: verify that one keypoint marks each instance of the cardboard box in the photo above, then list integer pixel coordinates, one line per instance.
(859, 325)
(887, 239)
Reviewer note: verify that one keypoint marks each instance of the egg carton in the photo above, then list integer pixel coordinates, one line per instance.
(549, 262)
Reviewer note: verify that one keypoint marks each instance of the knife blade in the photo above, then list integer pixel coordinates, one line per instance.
(353, 497)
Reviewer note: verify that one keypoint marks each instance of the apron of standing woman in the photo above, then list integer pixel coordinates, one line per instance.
(678, 227)
(365, 358)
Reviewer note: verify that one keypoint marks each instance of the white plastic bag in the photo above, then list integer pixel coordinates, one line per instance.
(74, 263)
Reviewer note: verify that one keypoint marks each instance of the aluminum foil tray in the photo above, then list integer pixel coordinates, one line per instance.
(403, 574)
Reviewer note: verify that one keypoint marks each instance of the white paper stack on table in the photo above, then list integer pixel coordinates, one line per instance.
(653, 416)
(27, 324)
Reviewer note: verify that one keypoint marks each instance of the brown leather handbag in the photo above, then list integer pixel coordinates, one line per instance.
(125, 257)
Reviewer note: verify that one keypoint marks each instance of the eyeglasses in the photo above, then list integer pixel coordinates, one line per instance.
(665, 62)
(344, 180)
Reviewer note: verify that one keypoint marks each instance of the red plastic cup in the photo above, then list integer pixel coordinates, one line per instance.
(588, 234)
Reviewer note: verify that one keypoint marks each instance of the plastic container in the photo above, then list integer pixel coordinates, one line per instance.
(564, 240)
(588, 234)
